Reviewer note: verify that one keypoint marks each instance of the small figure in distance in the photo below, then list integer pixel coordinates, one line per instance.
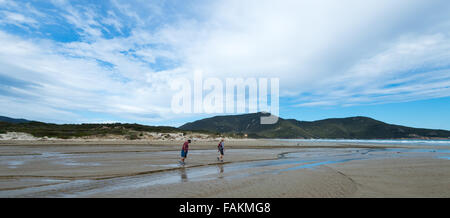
(184, 152)
(220, 148)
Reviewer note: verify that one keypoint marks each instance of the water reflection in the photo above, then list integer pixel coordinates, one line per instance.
(305, 159)
(220, 169)
(183, 175)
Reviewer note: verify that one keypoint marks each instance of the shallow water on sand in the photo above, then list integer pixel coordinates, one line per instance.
(309, 159)
(417, 142)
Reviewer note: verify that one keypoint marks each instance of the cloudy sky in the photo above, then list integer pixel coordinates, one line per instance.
(105, 61)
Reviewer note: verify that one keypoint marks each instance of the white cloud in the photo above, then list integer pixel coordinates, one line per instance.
(69, 83)
(16, 19)
(332, 50)
(412, 68)
(339, 52)
(7, 3)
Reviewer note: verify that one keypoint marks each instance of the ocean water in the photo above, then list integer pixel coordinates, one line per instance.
(442, 142)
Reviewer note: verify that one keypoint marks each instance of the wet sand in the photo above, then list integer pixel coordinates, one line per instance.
(252, 168)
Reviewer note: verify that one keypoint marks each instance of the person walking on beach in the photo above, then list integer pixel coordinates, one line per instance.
(184, 151)
(220, 148)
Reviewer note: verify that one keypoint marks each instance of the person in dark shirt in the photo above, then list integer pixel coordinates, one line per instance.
(220, 148)
(184, 151)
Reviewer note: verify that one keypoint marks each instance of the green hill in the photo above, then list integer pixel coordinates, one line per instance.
(39, 129)
(235, 126)
(349, 128)
(13, 120)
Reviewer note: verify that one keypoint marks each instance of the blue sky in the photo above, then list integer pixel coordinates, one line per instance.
(111, 61)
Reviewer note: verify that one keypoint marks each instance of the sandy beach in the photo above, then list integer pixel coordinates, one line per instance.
(252, 168)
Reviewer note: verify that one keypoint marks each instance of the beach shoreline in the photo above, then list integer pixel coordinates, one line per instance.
(252, 168)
